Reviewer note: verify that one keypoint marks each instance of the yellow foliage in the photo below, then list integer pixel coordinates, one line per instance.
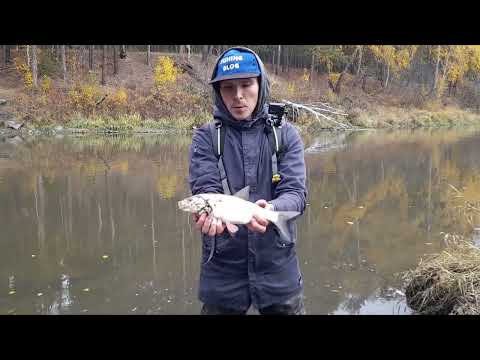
(330, 96)
(333, 77)
(383, 53)
(460, 59)
(306, 75)
(25, 71)
(120, 97)
(291, 88)
(43, 100)
(46, 84)
(124, 167)
(165, 71)
(395, 57)
(167, 185)
(84, 96)
(121, 166)
(403, 59)
(474, 57)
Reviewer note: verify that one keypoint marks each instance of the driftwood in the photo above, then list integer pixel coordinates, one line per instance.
(13, 125)
(318, 109)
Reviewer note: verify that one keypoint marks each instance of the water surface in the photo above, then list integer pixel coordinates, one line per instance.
(90, 224)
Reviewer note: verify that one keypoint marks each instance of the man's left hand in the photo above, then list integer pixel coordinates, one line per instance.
(259, 224)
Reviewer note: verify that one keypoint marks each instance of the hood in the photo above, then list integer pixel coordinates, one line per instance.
(221, 112)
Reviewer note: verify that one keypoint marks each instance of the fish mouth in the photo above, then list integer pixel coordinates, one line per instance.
(181, 205)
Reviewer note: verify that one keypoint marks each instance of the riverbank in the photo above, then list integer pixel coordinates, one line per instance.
(139, 99)
(419, 119)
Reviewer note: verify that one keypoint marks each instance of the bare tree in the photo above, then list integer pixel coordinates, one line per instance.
(285, 59)
(90, 57)
(123, 52)
(387, 66)
(435, 80)
(182, 52)
(115, 60)
(103, 64)
(312, 66)
(277, 64)
(5, 60)
(28, 55)
(148, 55)
(360, 59)
(34, 66)
(205, 53)
(64, 64)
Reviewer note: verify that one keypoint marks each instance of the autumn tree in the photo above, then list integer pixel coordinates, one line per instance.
(328, 56)
(350, 60)
(394, 58)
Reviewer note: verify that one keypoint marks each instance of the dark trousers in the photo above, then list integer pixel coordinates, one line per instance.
(293, 306)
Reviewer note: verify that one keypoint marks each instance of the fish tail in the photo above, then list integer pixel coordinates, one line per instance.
(282, 224)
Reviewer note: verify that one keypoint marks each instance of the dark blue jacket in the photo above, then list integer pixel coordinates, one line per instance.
(251, 268)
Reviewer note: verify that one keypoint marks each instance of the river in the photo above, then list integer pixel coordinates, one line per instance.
(89, 224)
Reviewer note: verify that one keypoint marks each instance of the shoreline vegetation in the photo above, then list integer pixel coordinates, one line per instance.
(110, 89)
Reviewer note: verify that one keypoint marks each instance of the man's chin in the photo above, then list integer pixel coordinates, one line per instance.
(242, 117)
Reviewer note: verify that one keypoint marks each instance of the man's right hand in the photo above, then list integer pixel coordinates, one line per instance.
(212, 226)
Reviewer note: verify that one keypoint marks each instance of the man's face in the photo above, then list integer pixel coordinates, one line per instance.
(240, 96)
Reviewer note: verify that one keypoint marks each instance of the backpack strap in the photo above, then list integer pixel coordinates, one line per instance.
(217, 131)
(273, 129)
(218, 136)
(275, 139)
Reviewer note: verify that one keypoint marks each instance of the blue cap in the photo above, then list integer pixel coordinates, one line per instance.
(236, 64)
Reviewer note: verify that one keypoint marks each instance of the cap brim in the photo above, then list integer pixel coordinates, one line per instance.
(234, 76)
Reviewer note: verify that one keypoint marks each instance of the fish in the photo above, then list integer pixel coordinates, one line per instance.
(237, 209)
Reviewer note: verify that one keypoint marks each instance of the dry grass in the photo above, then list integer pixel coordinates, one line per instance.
(447, 283)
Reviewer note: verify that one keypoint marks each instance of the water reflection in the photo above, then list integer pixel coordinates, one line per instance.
(90, 225)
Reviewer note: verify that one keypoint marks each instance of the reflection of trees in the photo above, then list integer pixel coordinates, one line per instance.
(40, 212)
(101, 197)
(353, 304)
(373, 208)
(167, 185)
(76, 201)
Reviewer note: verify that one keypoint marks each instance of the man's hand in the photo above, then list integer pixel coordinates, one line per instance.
(212, 226)
(258, 223)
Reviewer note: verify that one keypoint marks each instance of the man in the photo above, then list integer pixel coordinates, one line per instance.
(254, 266)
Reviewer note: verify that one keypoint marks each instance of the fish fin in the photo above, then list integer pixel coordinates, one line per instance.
(244, 193)
(212, 251)
(232, 228)
(282, 224)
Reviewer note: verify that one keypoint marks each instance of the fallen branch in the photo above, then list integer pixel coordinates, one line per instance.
(327, 110)
(101, 100)
(315, 110)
